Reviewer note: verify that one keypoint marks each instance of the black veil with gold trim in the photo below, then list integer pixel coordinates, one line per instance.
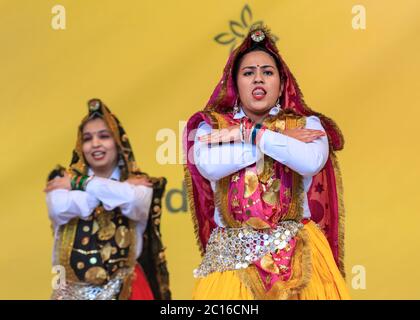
(152, 258)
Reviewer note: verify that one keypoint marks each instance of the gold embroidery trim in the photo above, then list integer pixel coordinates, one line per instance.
(65, 247)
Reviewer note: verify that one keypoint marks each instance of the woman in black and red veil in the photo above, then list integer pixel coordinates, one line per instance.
(106, 217)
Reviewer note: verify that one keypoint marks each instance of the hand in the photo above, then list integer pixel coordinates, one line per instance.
(59, 183)
(304, 135)
(224, 135)
(139, 181)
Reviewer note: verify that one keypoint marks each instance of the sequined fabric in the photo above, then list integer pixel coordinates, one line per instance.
(84, 291)
(237, 248)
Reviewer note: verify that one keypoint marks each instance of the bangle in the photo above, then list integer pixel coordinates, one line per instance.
(73, 182)
(80, 182)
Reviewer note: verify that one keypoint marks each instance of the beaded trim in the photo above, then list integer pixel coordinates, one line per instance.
(84, 291)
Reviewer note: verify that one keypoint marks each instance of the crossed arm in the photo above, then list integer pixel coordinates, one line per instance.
(133, 196)
(303, 150)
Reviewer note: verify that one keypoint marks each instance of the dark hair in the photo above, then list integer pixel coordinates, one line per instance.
(240, 56)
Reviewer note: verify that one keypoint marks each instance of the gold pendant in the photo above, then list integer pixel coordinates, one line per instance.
(270, 197)
(96, 275)
(268, 264)
(95, 227)
(122, 237)
(257, 223)
(106, 232)
(106, 226)
(251, 183)
(275, 186)
(267, 171)
(106, 252)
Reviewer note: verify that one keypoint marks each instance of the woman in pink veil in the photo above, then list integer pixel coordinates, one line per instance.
(264, 185)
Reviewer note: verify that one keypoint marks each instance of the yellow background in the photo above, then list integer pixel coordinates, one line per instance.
(154, 63)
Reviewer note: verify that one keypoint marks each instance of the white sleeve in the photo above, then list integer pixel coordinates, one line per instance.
(64, 205)
(307, 159)
(134, 201)
(217, 161)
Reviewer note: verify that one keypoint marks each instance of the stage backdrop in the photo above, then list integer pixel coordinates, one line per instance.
(154, 63)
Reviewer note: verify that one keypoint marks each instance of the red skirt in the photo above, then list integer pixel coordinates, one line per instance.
(140, 289)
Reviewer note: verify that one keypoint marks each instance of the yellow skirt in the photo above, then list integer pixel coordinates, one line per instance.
(326, 281)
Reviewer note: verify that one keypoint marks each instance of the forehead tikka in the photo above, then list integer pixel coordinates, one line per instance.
(258, 36)
(94, 105)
